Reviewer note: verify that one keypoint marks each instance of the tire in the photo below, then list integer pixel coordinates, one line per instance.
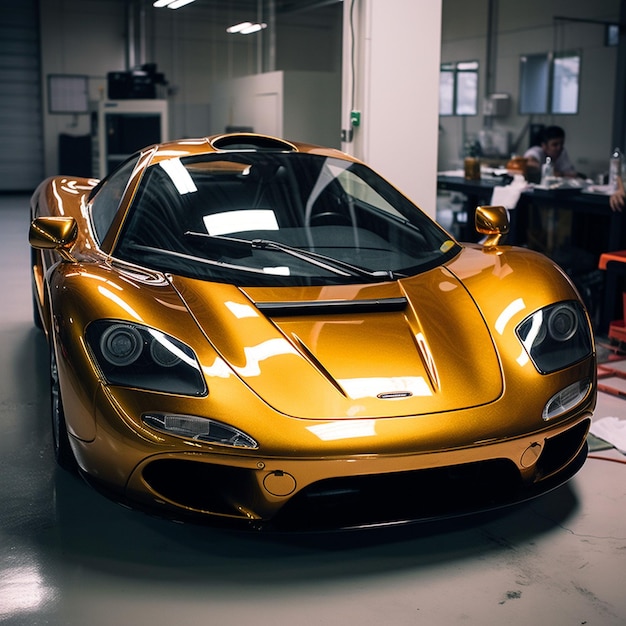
(36, 315)
(60, 437)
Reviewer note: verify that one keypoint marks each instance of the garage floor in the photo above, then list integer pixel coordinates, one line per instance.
(69, 556)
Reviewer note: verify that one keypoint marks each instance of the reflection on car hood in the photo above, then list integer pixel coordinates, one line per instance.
(400, 348)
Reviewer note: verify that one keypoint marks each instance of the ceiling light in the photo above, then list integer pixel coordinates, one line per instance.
(171, 4)
(246, 28)
(237, 28)
(178, 3)
(253, 28)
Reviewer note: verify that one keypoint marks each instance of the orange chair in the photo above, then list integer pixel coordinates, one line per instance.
(614, 263)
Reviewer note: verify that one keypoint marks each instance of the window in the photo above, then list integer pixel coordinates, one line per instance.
(107, 199)
(458, 88)
(275, 218)
(566, 74)
(549, 83)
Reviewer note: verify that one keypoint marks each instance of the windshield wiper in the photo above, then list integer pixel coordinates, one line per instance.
(321, 260)
(335, 266)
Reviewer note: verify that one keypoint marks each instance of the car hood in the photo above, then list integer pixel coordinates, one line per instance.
(410, 347)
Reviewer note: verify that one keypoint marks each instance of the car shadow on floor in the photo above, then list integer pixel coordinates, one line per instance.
(96, 532)
(67, 521)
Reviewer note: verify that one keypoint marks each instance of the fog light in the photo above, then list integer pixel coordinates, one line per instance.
(566, 399)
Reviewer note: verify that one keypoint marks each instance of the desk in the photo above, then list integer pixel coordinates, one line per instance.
(595, 205)
(478, 192)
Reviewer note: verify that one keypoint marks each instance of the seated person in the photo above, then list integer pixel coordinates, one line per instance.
(552, 145)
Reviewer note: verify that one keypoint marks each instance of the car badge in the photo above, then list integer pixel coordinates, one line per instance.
(390, 395)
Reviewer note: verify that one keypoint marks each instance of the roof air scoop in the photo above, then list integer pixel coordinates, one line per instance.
(251, 141)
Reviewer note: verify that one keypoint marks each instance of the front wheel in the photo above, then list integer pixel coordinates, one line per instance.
(60, 437)
(36, 315)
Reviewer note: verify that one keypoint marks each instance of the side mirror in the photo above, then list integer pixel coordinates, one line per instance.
(492, 221)
(54, 233)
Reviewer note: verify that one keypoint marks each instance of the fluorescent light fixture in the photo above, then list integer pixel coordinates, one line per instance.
(253, 29)
(237, 28)
(246, 28)
(171, 4)
(178, 3)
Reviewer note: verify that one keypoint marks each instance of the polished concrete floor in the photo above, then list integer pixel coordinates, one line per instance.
(69, 556)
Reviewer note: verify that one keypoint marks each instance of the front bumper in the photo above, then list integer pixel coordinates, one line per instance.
(358, 491)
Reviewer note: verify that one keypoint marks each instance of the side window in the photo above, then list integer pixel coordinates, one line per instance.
(549, 83)
(108, 197)
(534, 84)
(565, 83)
(458, 88)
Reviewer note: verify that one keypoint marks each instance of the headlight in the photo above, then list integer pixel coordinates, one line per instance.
(199, 428)
(556, 336)
(121, 344)
(133, 355)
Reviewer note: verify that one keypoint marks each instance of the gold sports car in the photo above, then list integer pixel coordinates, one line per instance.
(244, 329)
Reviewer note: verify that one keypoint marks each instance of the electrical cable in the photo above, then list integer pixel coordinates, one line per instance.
(599, 457)
(352, 55)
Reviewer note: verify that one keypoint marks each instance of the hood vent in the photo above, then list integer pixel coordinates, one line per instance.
(331, 307)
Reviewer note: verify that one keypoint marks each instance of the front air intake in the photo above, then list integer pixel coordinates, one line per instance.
(250, 141)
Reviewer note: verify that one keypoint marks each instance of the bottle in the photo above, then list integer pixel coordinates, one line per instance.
(471, 163)
(547, 173)
(471, 167)
(615, 168)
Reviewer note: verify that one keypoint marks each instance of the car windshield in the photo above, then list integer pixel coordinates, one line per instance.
(263, 218)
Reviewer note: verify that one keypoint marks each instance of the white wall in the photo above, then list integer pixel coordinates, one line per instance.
(312, 111)
(396, 91)
(298, 106)
(255, 101)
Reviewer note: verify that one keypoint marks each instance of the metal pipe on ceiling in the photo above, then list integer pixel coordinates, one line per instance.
(271, 35)
(135, 34)
(130, 35)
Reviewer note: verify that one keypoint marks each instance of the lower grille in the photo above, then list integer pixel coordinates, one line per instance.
(388, 498)
(559, 450)
(199, 486)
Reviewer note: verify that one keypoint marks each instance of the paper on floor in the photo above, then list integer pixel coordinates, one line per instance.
(612, 430)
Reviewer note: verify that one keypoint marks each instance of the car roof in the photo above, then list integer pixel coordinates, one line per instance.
(240, 142)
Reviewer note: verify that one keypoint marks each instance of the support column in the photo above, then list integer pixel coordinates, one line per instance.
(391, 57)
(619, 103)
